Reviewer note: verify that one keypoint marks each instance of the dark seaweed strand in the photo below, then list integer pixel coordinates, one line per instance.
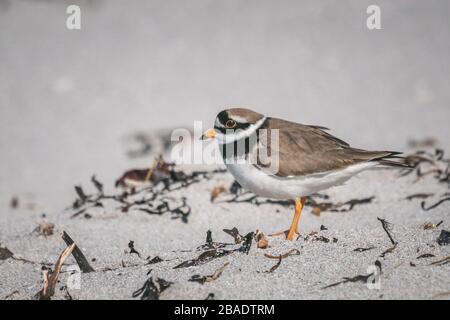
(385, 226)
(434, 205)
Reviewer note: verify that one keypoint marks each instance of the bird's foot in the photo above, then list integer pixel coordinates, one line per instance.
(289, 235)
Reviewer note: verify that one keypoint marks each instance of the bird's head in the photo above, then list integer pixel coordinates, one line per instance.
(233, 124)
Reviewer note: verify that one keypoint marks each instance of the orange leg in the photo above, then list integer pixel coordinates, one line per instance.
(299, 203)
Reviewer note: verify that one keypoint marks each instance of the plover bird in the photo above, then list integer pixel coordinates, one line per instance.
(280, 159)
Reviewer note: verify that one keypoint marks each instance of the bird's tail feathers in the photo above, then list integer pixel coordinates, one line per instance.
(392, 159)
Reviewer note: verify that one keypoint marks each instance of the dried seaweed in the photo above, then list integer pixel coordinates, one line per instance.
(214, 250)
(364, 249)
(97, 184)
(292, 252)
(165, 205)
(357, 278)
(152, 289)
(424, 164)
(235, 234)
(426, 255)
(389, 250)
(247, 197)
(321, 238)
(352, 203)
(78, 254)
(210, 296)
(155, 260)
(204, 257)
(132, 249)
(318, 208)
(417, 158)
(441, 262)
(5, 253)
(275, 267)
(387, 227)
(146, 196)
(419, 196)
(245, 248)
(209, 278)
(209, 240)
(444, 238)
(314, 236)
(436, 204)
(210, 244)
(82, 197)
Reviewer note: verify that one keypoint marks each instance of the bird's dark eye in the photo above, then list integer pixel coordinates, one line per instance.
(230, 124)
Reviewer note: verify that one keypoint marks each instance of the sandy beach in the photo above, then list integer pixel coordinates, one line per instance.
(74, 104)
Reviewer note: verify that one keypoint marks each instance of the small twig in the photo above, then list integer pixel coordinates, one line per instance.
(150, 171)
(48, 289)
(441, 295)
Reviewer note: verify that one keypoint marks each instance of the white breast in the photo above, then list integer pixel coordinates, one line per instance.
(270, 186)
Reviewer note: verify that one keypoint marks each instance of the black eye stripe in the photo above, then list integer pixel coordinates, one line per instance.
(223, 118)
(239, 126)
(242, 126)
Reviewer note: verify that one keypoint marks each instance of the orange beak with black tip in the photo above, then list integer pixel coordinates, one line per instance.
(209, 134)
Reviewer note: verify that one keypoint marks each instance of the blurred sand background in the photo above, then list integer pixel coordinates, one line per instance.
(70, 99)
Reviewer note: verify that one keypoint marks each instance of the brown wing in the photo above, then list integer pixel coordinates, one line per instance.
(304, 149)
